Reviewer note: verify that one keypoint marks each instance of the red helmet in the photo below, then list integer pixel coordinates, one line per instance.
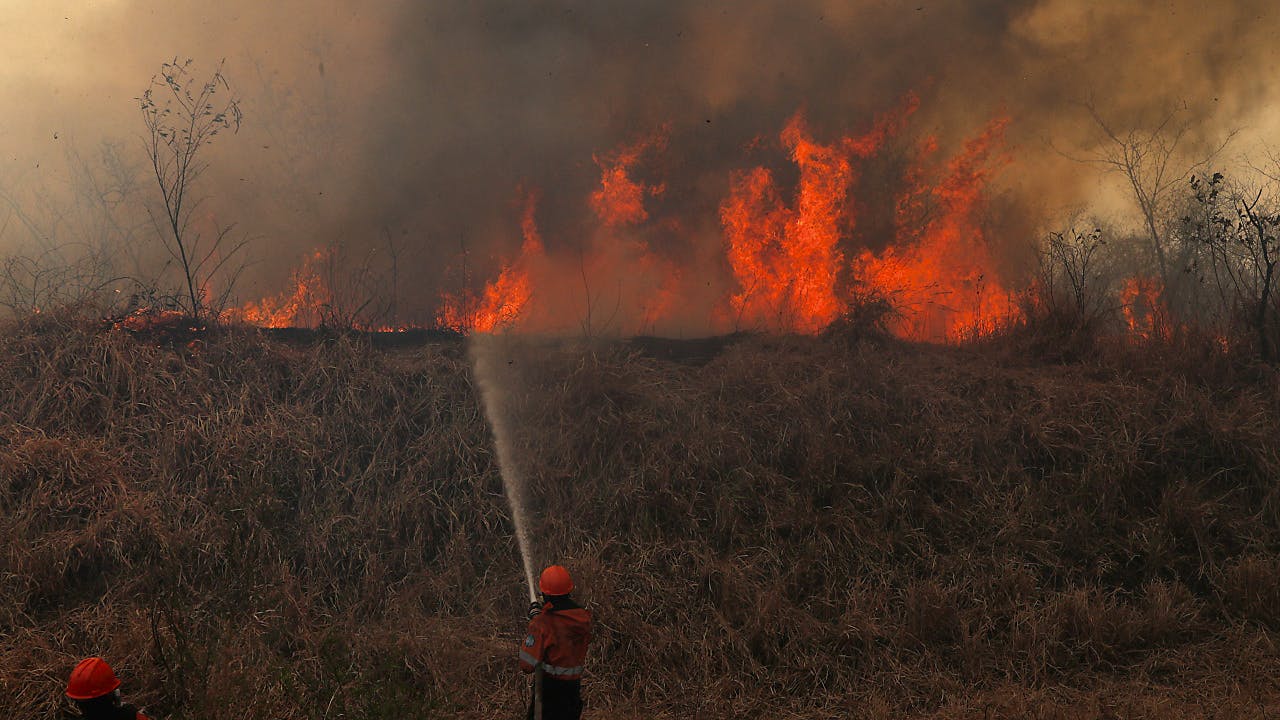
(91, 679)
(555, 580)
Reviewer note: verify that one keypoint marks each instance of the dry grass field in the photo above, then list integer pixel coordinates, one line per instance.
(831, 527)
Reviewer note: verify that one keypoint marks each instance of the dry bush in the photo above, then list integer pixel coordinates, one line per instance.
(795, 527)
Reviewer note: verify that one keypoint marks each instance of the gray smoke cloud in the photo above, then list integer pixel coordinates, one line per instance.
(415, 123)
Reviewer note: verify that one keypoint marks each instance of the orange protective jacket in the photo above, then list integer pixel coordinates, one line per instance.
(558, 641)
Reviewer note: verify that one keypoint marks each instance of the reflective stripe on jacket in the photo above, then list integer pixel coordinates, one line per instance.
(558, 640)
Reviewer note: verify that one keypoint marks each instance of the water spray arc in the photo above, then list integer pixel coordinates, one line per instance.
(486, 354)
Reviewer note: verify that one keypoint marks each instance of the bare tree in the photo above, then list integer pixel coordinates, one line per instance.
(1262, 227)
(1151, 161)
(183, 115)
(1243, 236)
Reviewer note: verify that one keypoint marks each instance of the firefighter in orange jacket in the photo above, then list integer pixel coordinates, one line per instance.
(559, 630)
(95, 689)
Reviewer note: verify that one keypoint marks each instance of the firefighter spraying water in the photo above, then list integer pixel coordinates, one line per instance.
(555, 646)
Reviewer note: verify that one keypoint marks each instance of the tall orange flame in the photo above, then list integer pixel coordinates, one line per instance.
(787, 260)
(620, 203)
(939, 273)
(506, 298)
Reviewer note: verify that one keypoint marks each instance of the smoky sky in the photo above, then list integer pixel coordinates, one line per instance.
(418, 123)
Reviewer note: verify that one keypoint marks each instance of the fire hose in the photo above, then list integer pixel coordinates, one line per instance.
(536, 692)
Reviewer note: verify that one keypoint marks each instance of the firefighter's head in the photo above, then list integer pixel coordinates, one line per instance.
(94, 687)
(555, 582)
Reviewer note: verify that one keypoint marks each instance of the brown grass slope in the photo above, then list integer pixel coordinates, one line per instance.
(796, 528)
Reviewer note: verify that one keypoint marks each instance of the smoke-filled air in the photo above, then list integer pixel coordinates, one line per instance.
(640, 359)
(616, 168)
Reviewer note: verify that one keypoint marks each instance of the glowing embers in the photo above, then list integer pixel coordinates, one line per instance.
(145, 319)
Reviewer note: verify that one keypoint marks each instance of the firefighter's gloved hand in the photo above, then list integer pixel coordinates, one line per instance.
(535, 608)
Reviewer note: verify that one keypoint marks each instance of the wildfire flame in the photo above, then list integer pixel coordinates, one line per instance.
(787, 260)
(504, 299)
(791, 256)
(938, 273)
(301, 306)
(620, 199)
(1142, 303)
(619, 204)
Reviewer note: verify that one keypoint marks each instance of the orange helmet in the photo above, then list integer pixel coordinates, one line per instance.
(555, 580)
(91, 679)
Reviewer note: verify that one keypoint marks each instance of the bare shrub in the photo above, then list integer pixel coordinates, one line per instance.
(1153, 159)
(75, 246)
(1237, 228)
(1073, 276)
(183, 115)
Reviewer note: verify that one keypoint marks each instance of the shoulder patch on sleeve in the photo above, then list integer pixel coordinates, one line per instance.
(528, 641)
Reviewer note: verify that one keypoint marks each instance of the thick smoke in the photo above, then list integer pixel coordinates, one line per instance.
(413, 125)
